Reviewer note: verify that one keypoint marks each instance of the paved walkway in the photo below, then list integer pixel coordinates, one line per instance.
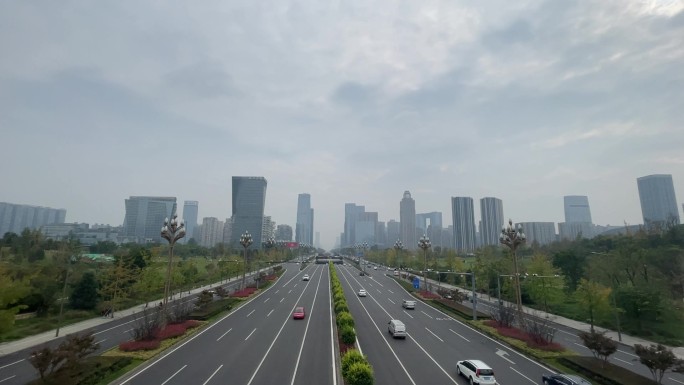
(573, 324)
(38, 339)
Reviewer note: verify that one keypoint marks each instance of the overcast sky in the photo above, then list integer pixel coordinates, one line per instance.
(350, 101)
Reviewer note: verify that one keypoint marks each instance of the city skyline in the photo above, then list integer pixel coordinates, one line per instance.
(348, 102)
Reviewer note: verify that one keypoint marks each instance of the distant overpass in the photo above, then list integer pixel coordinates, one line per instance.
(320, 259)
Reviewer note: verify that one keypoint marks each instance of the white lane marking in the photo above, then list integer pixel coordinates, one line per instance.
(460, 335)
(100, 341)
(581, 345)
(295, 286)
(212, 375)
(528, 379)
(250, 313)
(126, 331)
(503, 354)
(408, 314)
(332, 340)
(434, 334)
(629, 354)
(250, 334)
(11, 377)
(390, 291)
(173, 375)
(306, 330)
(563, 331)
(267, 299)
(15, 362)
(669, 378)
(626, 362)
(283, 299)
(276, 292)
(391, 301)
(289, 292)
(381, 285)
(222, 335)
(269, 313)
(426, 314)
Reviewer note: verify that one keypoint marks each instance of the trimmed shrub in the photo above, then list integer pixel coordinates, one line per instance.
(350, 357)
(347, 334)
(132, 346)
(344, 319)
(341, 308)
(359, 373)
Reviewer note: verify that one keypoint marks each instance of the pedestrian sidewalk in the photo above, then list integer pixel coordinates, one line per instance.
(573, 324)
(39, 339)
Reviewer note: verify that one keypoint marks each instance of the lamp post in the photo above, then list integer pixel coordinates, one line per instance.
(270, 243)
(245, 241)
(172, 231)
(617, 311)
(474, 294)
(424, 243)
(61, 304)
(514, 237)
(398, 246)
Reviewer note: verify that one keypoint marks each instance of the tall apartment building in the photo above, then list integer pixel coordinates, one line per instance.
(658, 200)
(249, 199)
(304, 228)
(283, 233)
(542, 233)
(381, 235)
(577, 218)
(15, 218)
(268, 229)
(190, 211)
(211, 233)
(145, 217)
(366, 224)
(407, 221)
(393, 232)
(463, 217)
(491, 214)
(351, 215)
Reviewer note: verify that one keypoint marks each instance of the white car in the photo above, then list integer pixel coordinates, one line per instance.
(476, 371)
(305, 277)
(363, 293)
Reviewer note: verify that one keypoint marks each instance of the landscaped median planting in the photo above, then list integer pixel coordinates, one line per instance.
(170, 331)
(355, 367)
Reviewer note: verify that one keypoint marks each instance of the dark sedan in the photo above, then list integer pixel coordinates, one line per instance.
(564, 379)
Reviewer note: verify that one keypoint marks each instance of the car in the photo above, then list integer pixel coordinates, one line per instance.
(375, 267)
(361, 273)
(396, 272)
(408, 304)
(396, 328)
(476, 371)
(305, 277)
(299, 313)
(564, 379)
(363, 293)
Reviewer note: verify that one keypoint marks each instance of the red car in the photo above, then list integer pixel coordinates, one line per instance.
(299, 313)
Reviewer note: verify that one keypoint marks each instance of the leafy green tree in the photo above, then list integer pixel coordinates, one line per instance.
(594, 299)
(571, 263)
(84, 296)
(544, 285)
(601, 346)
(658, 359)
(11, 291)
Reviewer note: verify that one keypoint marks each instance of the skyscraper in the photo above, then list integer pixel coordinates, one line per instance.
(491, 214)
(190, 210)
(658, 200)
(431, 225)
(145, 217)
(304, 226)
(212, 232)
(283, 233)
(463, 217)
(351, 216)
(393, 232)
(15, 218)
(249, 199)
(577, 209)
(542, 233)
(407, 221)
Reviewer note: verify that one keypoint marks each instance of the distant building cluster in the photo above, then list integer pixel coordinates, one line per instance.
(15, 218)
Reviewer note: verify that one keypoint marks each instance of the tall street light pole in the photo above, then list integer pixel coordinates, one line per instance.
(245, 241)
(514, 237)
(424, 243)
(172, 231)
(398, 246)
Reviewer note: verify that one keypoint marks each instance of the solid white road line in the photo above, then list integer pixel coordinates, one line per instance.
(250, 313)
(332, 340)
(173, 375)
(434, 334)
(460, 335)
(212, 375)
(669, 378)
(222, 335)
(250, 334)
(15, 362)
(626, 362)
(269, 313)
(11, 377)
(528, 379)
(627, 353)
(408, 314)
(581, 345)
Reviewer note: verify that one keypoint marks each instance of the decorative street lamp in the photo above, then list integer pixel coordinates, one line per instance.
(245, 241)
(398, 246)
(171, 231)
(424, 243)
(270, 243)
(514, 237)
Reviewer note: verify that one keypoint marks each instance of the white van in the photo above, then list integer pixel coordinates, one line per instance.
(396, 328)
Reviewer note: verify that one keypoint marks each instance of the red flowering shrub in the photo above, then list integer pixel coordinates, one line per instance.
(131, 346)
(244, 292)
(525, 337)
(271, 277)
(428, 295)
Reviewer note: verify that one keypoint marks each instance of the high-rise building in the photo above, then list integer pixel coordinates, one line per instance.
(351, 215)
(15, 218)
(249, 199)
(268, 229)
(491, 214)
(430, 224)
(212, 232)
(304, 227)
(284, 233)
(145, 217)
(190, 211)
(317, 241)
(577, 209)
(448, 237)
(366, 224)
(393, 232)
(542, 233)
(658, 200)
(381, 235)
(407, 221)
(463, 217)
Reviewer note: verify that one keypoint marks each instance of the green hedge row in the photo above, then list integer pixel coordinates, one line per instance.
(355, 367)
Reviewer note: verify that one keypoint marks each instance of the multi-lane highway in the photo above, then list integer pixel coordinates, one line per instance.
(258, 343)
(435, 341)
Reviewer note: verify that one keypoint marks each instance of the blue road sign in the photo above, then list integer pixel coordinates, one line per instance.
(416, 283)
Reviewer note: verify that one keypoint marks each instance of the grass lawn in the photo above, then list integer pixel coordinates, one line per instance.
(32, 326)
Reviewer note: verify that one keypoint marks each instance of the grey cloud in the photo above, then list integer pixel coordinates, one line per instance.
(204, 80)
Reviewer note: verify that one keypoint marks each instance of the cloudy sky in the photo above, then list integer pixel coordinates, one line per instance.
(350, 101)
